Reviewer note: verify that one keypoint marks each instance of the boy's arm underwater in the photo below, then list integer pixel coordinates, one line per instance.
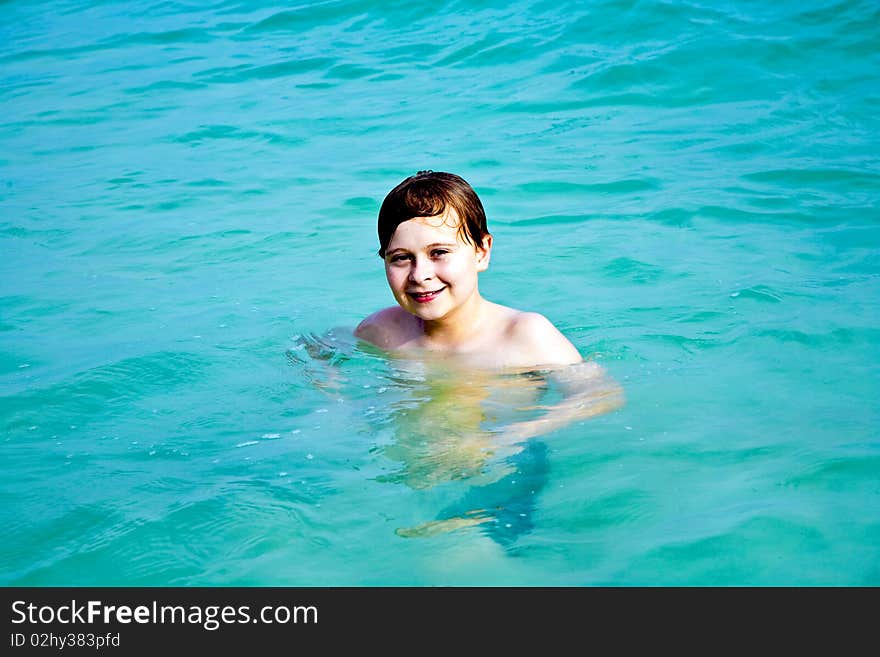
(588, 391)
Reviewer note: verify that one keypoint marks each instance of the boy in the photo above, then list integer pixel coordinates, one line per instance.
(434, 241)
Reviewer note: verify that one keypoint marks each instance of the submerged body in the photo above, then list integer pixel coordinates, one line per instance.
(440, 422)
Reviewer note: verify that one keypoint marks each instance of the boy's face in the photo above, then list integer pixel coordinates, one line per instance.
(431, 270)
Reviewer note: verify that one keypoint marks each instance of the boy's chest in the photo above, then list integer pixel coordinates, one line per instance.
(490, 354)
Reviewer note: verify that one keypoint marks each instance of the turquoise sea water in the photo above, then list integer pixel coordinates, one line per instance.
(188, 193)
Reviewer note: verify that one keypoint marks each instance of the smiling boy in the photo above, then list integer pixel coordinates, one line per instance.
(434, 242)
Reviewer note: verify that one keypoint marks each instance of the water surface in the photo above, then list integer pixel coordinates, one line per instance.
(188, 192)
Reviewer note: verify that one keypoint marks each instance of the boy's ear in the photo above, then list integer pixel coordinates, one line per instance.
(484, 253)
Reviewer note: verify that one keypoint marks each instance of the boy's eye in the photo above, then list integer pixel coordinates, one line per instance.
(436, 253)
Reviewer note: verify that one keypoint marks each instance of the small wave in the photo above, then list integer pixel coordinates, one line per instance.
(720, 557)
(828, 340)
(118, 42)
(821, 178)
(497, 48)
(164, 85)
(244, 72)
(627, 186)
(96, 391)
(633, 270)
(763, 293)
(350, 72)
(184, 35)
(214, 132)
(302, 18)
(550, 220)
(728, 214)
(839, 474)
(620, 508)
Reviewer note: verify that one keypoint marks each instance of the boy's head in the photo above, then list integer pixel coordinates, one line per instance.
(429, 194)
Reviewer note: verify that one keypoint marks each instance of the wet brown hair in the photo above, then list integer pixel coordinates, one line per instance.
(429, 194)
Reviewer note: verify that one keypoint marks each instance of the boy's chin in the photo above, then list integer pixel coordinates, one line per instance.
(427, 314)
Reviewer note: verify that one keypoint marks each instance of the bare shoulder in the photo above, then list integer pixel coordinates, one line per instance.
(388, 328)
(539, 341)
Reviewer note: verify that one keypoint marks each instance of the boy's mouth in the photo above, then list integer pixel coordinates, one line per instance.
(425, 297)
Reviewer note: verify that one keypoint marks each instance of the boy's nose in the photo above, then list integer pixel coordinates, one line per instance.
(421, 270)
